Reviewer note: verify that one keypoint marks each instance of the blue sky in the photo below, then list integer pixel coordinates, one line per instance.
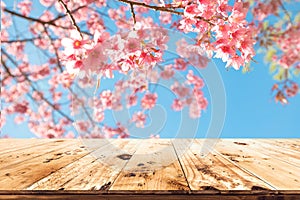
(250, 108)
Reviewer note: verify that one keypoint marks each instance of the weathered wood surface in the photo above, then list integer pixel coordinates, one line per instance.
(173, 168)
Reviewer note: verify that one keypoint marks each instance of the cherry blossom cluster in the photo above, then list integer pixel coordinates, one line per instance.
(76, 40)
(281, 44)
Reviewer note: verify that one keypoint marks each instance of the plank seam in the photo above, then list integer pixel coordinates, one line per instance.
(121, 170)
(84, 155)
(245, 170)
(67, 145)
(185, 177)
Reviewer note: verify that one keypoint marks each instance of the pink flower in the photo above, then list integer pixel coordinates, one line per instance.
(106, 98)
(167, 73)
(165, 17)
(223, 7)
(202, 103)
(131, 100)
(25, 7)
(180, 64)
(98, 115)
(186, 25)
(74, 44)
(21, 107)
(82, 126)
(149, 100)
(221, 30)
(292, 90)
(139, 118)
(246, 46)
(191, 10)
(195, 110)
(236, 62)
(180, 90)
(239, 12)
(195, 80)
(224, 50)
(19, 119)
(177, 105)
(119, 130)
(95, 59)
(47, 3)
(95, 23)
(133, 44)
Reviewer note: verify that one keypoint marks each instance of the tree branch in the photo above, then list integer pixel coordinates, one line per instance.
(285, 11)
(68, 12)
(164, 9)
(55, 50)
(64, 15)
(40, 21)
(132, 12)
(30, 83)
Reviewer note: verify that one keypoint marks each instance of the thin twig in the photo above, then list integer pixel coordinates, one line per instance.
(164, 9)
(68, 12)
(64, 15)
(24, 40)
(55, 50)
(40, 21)
(132, 12)
(285, 11)
(30, 83)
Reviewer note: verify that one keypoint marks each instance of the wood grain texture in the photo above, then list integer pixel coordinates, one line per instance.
(154, 166)
(276, 151)
(150, 169)
(249, 156)
(18, 156)
(236, 195)
(9, 145)
(95, 171)
(21, 175)
(289, 144)
(213, 171)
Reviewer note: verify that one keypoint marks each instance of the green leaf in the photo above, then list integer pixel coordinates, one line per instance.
(280, 75)
(246, 68)
(273, 68)
(270, 54)
(265, 25)
(296, 72)
(297, 18)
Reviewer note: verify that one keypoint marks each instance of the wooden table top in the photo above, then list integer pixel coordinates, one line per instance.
(150, 168)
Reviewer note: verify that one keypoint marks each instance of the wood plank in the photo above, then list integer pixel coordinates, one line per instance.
(154, 166)
(21, 155)
(10, 145)
(278, 152)
(95, 171)
(281, 175)
(21, 175)
(291, 144)
(213, 172)
(147, 196)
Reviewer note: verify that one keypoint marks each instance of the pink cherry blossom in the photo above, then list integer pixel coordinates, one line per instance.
(165, 18)
(43, 92)
(139, 118)
(149, 100)
(168, 72)
(25, 7)
(195, 80)
(131, 100)
(180, 89)
(47, 3)
(177, 105)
